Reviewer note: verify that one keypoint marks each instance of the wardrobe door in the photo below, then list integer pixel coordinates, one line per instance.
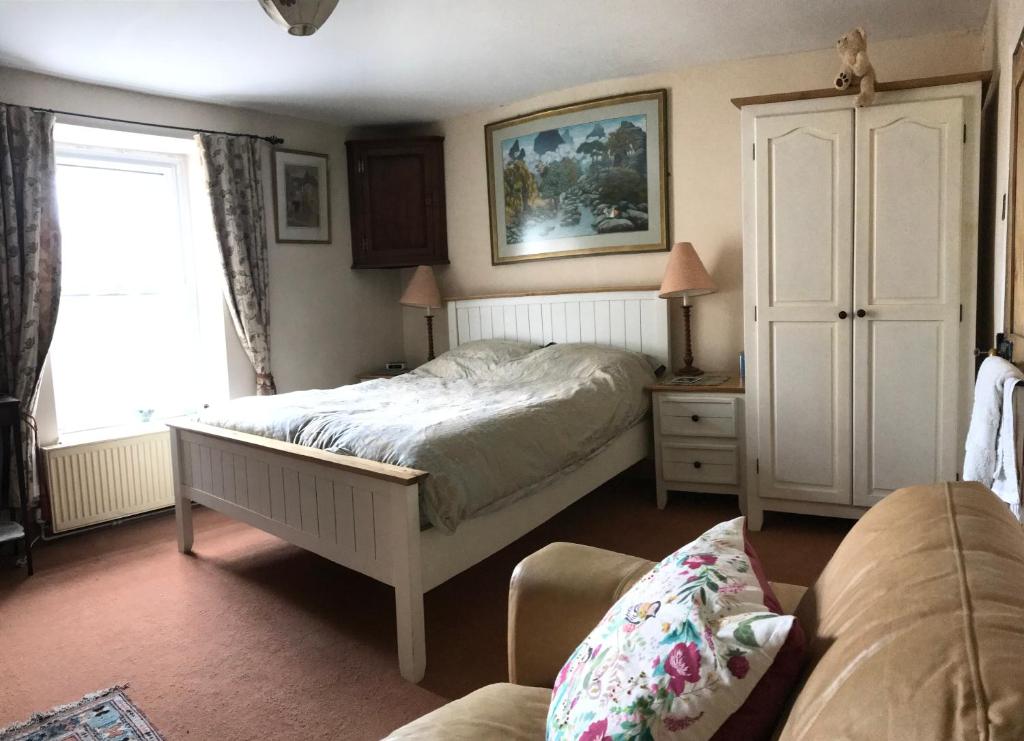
(803, 227)
(907, 284)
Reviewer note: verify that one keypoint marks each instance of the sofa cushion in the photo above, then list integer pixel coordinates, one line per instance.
(505, 711)
(789, 596)
(756, 719)
(916, 625)
(682, 649)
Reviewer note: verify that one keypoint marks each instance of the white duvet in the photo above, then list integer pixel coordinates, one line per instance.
(489, 421)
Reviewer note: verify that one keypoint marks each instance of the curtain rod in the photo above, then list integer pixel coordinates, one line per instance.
(271, 139)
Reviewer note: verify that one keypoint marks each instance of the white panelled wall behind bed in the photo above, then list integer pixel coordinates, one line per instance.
(365, 515)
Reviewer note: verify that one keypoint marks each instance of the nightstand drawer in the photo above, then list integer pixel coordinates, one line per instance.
(709, 464)
(698, 418)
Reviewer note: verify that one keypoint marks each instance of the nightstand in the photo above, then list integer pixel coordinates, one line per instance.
(375, 374)
(698, 438)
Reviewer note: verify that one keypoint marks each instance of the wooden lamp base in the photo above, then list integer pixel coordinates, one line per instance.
(688, 369)
(430, 337)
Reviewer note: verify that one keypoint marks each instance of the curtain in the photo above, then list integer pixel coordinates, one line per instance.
(234, 177)
(29, 259)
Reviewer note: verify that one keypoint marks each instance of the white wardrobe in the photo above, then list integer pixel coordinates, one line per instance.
(859, 264)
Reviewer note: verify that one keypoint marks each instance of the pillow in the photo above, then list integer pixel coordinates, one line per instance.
(492, 351)
(681, 652)
(580, 360)
(474, 358)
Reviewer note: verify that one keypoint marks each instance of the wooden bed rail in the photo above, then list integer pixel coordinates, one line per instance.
(373, 469)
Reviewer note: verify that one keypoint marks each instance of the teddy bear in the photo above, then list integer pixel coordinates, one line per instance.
(853, 52)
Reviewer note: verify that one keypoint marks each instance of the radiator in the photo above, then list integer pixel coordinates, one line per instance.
(101, 481)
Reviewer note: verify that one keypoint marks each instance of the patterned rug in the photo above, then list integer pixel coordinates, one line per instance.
(106, 715)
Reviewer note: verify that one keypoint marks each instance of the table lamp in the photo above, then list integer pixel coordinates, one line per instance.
(686, 276)
(422, 292)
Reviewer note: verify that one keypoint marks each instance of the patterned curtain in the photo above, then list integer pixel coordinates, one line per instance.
(29, 258)
(234, 176)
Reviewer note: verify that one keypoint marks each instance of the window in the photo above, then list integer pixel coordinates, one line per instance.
(128, 347)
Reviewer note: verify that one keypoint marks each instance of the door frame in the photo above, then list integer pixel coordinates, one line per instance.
(1009, 267)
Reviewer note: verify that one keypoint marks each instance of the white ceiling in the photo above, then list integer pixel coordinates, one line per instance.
(390, 61)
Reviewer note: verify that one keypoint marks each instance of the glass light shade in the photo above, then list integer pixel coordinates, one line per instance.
(300, 17)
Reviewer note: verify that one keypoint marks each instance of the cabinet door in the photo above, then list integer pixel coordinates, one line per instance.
(804, 233)
(398, 204)
(907, 281)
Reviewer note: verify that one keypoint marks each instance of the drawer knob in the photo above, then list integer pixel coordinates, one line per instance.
(696, 464)
(695, 417)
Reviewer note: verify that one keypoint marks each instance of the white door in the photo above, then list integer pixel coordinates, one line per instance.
(907, 284)
(804, 255)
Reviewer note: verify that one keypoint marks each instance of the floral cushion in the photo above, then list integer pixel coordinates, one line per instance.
(678, 654)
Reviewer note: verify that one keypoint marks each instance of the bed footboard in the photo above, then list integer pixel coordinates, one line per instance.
(361, 514)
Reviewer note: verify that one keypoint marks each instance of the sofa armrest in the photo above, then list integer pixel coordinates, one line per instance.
(557, 596)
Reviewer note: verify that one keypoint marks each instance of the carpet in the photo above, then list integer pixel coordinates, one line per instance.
(251, 637)
(106, 714)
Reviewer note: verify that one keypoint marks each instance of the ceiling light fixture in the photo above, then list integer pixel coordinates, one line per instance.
(300, 17)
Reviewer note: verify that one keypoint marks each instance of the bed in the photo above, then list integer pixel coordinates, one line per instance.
(366, 515)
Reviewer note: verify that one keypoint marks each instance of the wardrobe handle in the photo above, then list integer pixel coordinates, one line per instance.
(861, 313)
(843, 314)
(696, 464)
(695, 417)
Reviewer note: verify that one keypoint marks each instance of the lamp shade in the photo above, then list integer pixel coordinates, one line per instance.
(685, 274)
(422, 290)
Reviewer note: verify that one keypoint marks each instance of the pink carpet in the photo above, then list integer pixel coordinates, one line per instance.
(253, 638)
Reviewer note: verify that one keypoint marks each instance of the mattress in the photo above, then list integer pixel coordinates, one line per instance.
(489, 421)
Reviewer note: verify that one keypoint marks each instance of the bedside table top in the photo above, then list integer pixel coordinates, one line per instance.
(381, 373)
(731, 385)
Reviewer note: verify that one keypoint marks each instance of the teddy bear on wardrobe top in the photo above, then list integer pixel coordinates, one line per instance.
(853, 53)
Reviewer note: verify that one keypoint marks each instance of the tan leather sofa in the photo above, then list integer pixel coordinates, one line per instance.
(915, 629)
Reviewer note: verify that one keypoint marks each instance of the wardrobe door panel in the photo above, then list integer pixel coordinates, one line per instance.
(802, 245)
(804, 197)
(907, 283)
(806, 362)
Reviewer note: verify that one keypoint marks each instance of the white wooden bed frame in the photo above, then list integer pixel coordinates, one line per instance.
(365, 515)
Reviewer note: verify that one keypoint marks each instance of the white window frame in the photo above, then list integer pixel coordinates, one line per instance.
(206, 307)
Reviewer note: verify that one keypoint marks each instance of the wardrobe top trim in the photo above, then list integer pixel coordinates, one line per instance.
(984, 77)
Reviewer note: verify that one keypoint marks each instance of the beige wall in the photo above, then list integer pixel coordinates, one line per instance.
(328, 321)
(705, 198)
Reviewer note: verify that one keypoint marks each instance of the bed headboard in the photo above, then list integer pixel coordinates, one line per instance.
(634, 320)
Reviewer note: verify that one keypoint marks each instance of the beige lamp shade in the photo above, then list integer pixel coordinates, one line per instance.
(422, 290)
(685, 274)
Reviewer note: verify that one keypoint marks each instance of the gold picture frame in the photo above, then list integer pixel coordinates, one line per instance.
(590, 178)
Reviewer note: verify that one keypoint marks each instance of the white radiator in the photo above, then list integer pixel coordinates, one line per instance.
(102, 481)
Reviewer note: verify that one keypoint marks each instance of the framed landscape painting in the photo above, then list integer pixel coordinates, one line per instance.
(302, 205)
(583, 179)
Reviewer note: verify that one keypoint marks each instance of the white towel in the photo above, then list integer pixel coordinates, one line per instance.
(990, 456)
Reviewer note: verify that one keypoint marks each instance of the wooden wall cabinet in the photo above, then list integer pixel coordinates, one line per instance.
(396, 194)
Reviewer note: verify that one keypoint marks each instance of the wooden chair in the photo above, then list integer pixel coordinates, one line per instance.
(10, 440)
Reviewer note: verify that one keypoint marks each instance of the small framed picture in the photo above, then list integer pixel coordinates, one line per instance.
(302, 202)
